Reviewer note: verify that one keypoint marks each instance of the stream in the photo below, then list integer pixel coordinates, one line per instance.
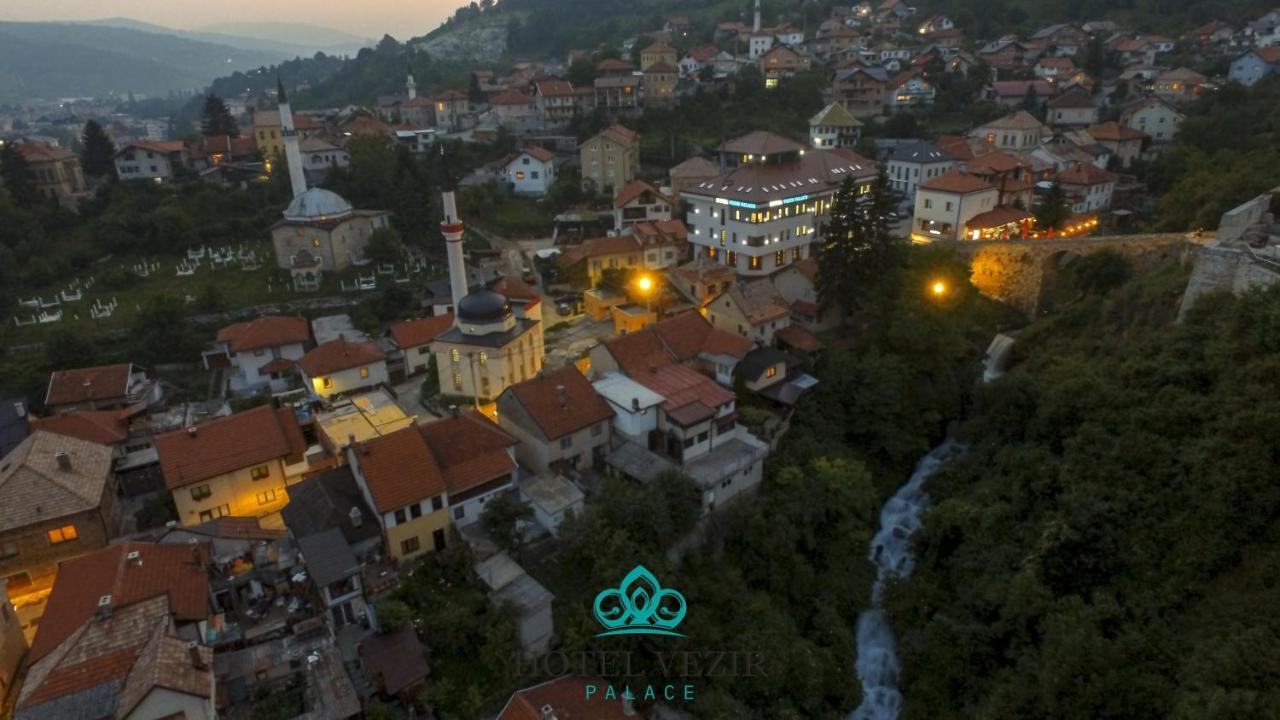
(878, 665)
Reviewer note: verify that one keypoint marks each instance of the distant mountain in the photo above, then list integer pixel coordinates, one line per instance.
(288, 40)
(55, 60)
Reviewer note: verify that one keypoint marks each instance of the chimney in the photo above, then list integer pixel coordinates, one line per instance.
(548, 713)
(134, 558)
(64, 460)
(104, 607)
(453, 410)
(635, 404)
(356, 518)
(191, 431)
(197, 660)
(560, 398)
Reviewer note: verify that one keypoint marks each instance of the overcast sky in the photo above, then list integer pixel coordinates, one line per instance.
(401, 19)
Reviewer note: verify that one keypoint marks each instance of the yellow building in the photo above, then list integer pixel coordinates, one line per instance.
(490, 348)
(359, 418)
(268, 138)
(610, 160)
(240, 465)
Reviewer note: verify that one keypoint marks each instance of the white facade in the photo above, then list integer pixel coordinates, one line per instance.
(754, 242)
(247, 366)
(912, 165)
(529, 175)
(1248, 69)
(1159, 121)
(942, 215)
(136, 163)
(635, 406)
(758, 45)
(345, 381)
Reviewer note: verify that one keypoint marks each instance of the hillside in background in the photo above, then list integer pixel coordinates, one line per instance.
(54, 60)
(284, 39)
(993, 18)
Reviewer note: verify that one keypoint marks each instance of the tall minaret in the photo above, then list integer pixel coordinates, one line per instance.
(411, 87)
(451, 227)
(292, 155)
(755, 27)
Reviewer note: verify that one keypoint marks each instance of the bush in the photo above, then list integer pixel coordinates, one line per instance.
(393, 615)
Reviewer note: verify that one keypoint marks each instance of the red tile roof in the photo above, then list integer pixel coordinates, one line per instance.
(539, 153)
(997, 217)
(510, 97)
(598, 247)
(1269, 55)
(34, 151)
(681, 386)
(412, 333)
(676, 339)
(1085, 174)
(265, 332)
(228, 444)
(760, 142)
(956, 182)
(1114, 131)
(174, 571)
(395, 661)
(807, 267)
(105, 427)
(799, 338)
(399, 469)
(470, 449)
(561, 402)
(105, 382)
(620, 134)
(567, 698)
(553, 88)
(340, 354)
(635, 189)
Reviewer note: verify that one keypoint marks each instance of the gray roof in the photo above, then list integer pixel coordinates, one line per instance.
(13, 424)
(756, 361)
(552, 493)
(328, 557)
(324, 502)
(317, 204)
(920, 152)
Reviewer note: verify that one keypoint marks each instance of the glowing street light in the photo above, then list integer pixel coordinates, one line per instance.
(938, 288)
(645, 283)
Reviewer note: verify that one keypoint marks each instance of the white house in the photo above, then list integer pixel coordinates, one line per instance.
(260, 352)
(319, 156)
(908, 89)
(531, 172)
(1154, 117)
(759, 44)
(341, 366)
(833, 127)
(1089, 187)
(1254, 65)
(155, 160)
(640, 202)
(913, 163)
(946, 204)
(635, 406)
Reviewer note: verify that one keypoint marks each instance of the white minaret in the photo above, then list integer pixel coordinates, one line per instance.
(411, 87)
(292, 155)
(755, 27)
(451, 227)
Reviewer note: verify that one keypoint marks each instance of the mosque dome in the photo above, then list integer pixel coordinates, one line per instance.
(317, 204)
(483, 306)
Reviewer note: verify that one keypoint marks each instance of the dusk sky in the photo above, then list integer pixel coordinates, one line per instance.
(367, 18)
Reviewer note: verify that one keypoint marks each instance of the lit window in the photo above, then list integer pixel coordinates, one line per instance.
(259, 472)
(327, 383)
(457, 381)
(364, 373)
(453, 355)
(520, 175)
(754, 263)
(266, 496)
(772, 371)
(483, 357)
(62, 534)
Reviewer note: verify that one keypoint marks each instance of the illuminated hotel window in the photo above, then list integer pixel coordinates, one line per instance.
(754, 262)
(722, 238)
(483, 357)
(453, 355)
(457, 381)
(780, 258)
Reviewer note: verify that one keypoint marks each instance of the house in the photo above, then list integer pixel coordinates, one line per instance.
(333, 499)
(640, 202)
(515, 110)
(911, 163)
(556, 102)
(319, 156)
(617, 252)
(13, 644)
(1252, 66)
(1054, 69)
(568, 696)
(1059, 40)
(934, 24)
(658, 52)
(705, 58)
(753, 309)
(128, 664)
(798, 286)
(357, 417)
(124, 574)
(560, 421)
(336, 573)
(687, 338)
(268, 137)
(477, 459)
(1088, 187)
(553, 499)
(1003, 54)
(341, 366)
(660, 83)
(324, 226)
(908, 89)
(452, 108)
(1154, 117)
(57, 500)
(833, 127)
(946, 203)
(1133, 51)
(1014, 93)
(401, 481)
(104, 387)
(1180, 85)
(1124, 142)
(619, 94)
(510, 586)
(531, 172)
(154, 160)
(55, 173)
(236, 465)
(610, 159)
(861, 90)
(780, 62)
(395, 663)
(1019, 131)
(260, 352)
(1072, 109)
(763, 213)
(413, 339)
(691, 172)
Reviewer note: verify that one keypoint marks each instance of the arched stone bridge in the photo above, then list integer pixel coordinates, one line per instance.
(1017, 272)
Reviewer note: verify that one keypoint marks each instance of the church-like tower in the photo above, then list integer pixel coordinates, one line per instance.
(755, 26)
(410, 86)
(292, 154)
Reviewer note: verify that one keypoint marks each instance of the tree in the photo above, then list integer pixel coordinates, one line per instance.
(860, 257)
(1101, 272)
(384, 246)
(97, 152)
(474, 92)
(216, 118)
(15, 176)
(393, 615)
(1031, 100)
(582, 72)
(1053, 210)
(502, 518)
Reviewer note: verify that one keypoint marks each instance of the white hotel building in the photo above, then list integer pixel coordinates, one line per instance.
(767, 210)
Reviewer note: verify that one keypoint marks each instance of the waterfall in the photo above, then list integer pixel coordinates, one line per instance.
(997, 357)
(878, 665)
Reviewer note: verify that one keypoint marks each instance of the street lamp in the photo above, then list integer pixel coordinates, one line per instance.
(938, 288)
(645, 285)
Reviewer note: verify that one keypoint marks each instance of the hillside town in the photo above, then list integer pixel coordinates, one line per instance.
(274, 524)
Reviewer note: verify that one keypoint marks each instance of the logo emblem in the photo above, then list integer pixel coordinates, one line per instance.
(639, 606)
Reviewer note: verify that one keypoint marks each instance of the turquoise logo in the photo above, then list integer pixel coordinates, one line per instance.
(639, 606)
